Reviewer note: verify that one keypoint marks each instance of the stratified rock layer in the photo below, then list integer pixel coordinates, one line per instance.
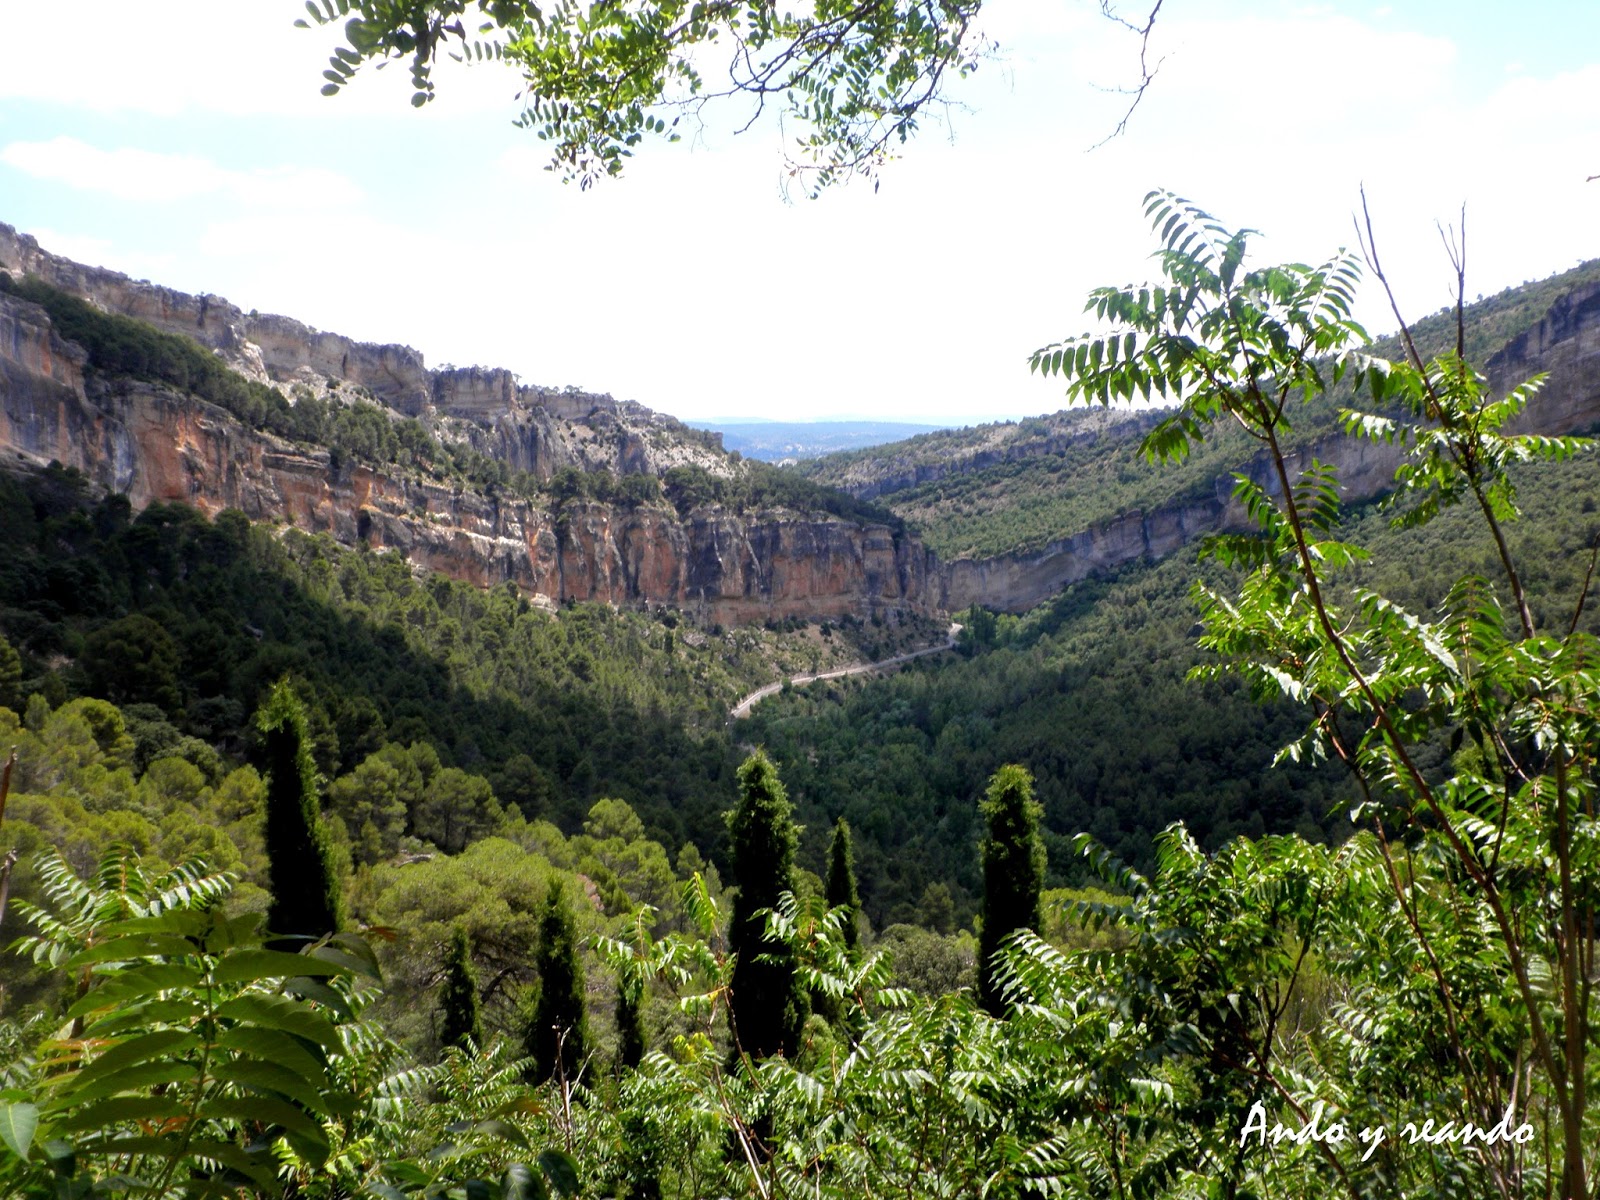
(155, 445)
(158, 445)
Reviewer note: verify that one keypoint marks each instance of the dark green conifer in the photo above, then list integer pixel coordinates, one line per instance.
(841, 889)
(1013, 871)
(556, 1032)
(306, 897)
(768, 1006)
(630, 1018)
(460, 1021)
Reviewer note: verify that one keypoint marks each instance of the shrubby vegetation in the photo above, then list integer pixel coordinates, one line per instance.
(760, 486)
(1434, 964)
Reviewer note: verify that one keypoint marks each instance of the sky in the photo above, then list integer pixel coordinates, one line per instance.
(185, 141)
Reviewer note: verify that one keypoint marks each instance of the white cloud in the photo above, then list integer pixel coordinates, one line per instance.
(219, 56)
(129, 173)
(689, 286)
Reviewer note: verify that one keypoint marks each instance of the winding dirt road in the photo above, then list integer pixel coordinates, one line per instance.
(742, 709)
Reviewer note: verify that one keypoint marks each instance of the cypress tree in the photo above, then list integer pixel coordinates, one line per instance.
(557, 1029)
(841, 890)
(630, 1017)
(460, 1020)
(1013, 871)
(768, 1006)
(306, 899)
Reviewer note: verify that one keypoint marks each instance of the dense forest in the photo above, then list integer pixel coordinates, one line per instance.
(330, 880)
(185, 621)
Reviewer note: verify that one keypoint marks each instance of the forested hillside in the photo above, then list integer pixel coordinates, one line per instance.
(1089, 692)
(189, 620)
(997, 489)
(334, 878)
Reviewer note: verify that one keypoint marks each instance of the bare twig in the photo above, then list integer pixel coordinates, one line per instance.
(1436, 410)
(1588, 579)
(1147, 73)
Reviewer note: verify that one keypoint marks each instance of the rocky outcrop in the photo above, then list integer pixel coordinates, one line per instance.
(536, 429)
(1564, 346)
(936, 456)
(1018, 582)
(158, 445)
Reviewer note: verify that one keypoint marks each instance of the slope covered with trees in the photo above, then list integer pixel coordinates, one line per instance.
(1000, 489)
(186, 622)
(1167, 1036)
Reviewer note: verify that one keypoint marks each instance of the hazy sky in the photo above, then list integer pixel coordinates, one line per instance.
(185, 141)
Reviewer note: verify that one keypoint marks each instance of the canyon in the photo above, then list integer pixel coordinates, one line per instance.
(158, 445)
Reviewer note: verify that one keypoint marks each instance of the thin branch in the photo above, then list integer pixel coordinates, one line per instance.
(10, 860)
(1588, 578)
(1458, 453)
(1147, 73)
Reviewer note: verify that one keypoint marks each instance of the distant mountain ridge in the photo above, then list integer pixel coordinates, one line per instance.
(1017, 509)
(1001, 515)
(793, 441)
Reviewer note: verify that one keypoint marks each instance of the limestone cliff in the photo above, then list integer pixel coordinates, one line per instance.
(535, 429)
(885, 470)
(157, 445)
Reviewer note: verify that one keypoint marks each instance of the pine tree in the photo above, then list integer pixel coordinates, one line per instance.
(460, 1020)
(1013, 871)
(841, 889)
(768, 1006)
(306, 898)
(556, 1032)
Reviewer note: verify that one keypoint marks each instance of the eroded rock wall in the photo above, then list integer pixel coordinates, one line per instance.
(158, 445)
(536, 429)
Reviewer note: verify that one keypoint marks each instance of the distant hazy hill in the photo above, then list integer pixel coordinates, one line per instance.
(775, 441)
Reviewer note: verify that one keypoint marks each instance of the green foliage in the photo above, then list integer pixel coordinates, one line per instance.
(307, 901)
(841, 891)
(10, 676)
(1013, 858)
(460, 1023)
(494, 891)
(1498, 840)
(768, 1006)
(133, 660)
(634, 962)
(192, 1049)
(556, 1035)
(598, 80)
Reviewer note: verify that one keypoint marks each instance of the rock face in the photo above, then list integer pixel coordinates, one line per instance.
(1565, 345)
(157, 445)
(939, 455)
(1018, 582)
(539, 430)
